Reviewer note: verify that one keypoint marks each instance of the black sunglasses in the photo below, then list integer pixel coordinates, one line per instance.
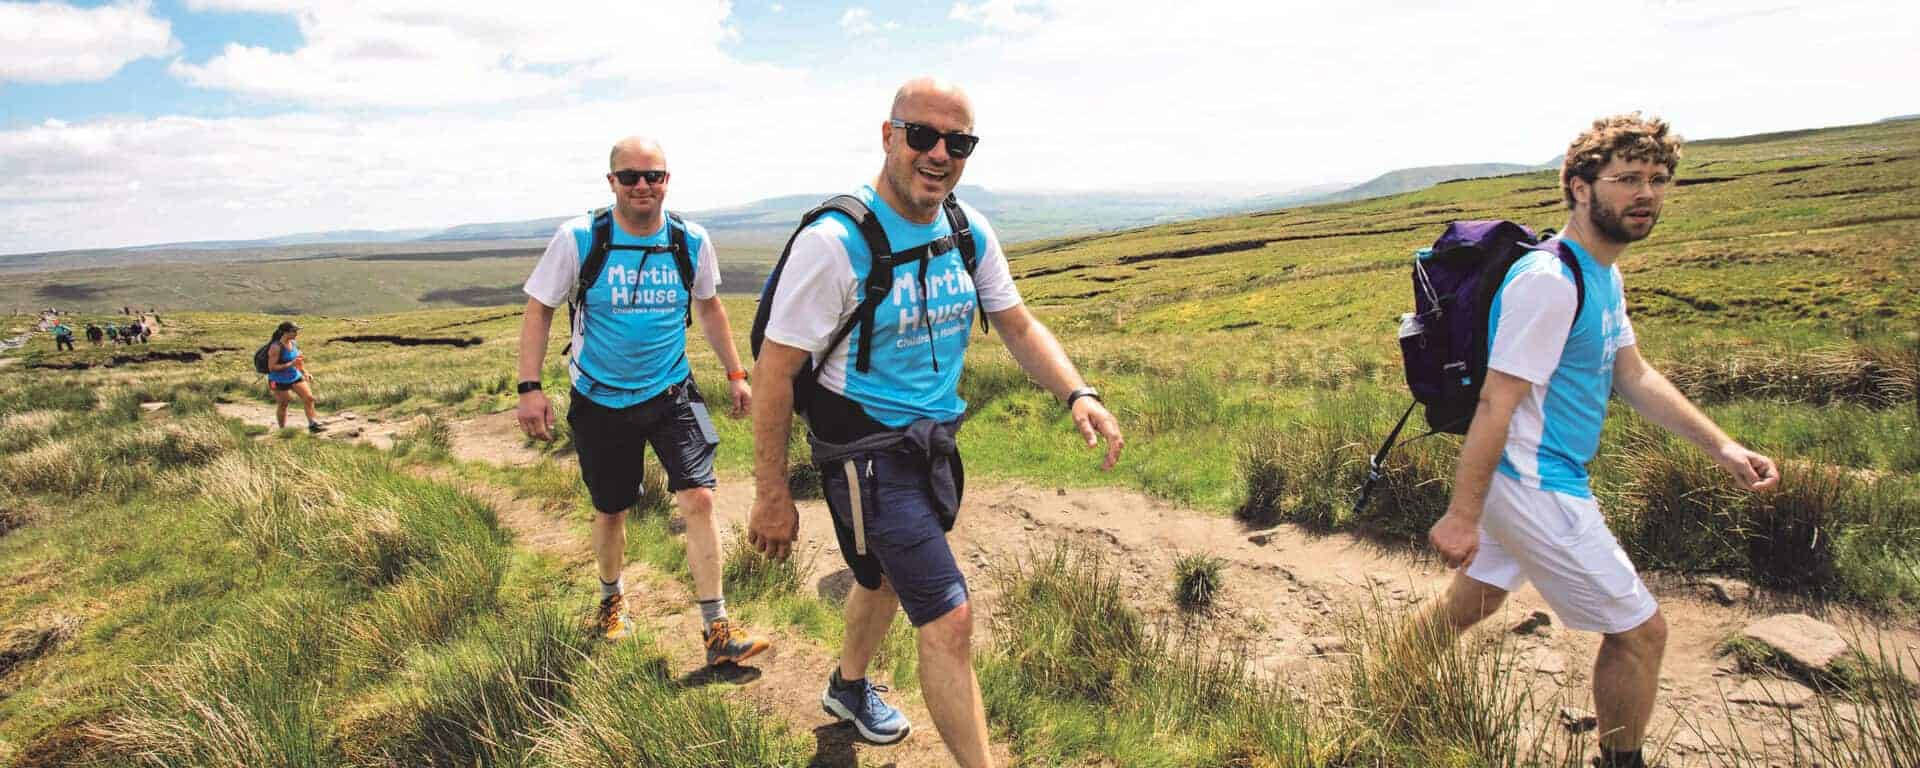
(630, 178)
(921, 138)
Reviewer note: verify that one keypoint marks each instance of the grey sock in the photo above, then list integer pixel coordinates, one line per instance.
(713, 610)
(616, 587)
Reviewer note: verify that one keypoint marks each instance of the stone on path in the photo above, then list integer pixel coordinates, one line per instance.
(1782, 694)
(1533, 623)
(1809, 643)
(1578, 720)
(1725, 591)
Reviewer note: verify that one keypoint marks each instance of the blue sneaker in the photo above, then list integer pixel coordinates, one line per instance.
(860, 702)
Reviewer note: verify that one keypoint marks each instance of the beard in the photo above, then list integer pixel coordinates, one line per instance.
(1612, 223)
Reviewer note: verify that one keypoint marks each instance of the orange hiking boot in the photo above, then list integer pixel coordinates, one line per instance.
(611, 620)
(728, 642)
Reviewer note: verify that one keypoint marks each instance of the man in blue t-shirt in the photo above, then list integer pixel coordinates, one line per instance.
(1522, 509)
(632, 386)
(884, 437)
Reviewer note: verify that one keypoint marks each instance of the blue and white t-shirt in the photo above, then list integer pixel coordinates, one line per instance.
(920, 334)
(1555, 431)
(633, 344)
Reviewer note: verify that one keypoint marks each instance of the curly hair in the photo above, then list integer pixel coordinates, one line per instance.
(1628, 137)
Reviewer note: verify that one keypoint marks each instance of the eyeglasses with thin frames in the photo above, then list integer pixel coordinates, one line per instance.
(1656, 183)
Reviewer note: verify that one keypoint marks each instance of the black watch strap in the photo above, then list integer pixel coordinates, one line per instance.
(1080, 393)
(527, 386)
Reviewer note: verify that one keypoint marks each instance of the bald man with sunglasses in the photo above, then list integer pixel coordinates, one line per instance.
(883, 407)
(632, 387)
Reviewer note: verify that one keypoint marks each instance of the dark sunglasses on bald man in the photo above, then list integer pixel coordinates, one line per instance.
(921, 138)
(630, 178)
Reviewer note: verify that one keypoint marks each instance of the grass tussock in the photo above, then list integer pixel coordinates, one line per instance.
(747, 575)
(1873, 376)
(482, 697)
(1826, 530)
(422, 610)
(1309, 472)
(1075, 673)
(1196, 579)
(46, 396)
(1876, 723)
(627, 709)
(432, 436)
(1411, 695)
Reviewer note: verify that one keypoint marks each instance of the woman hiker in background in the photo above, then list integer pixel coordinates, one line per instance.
(287, 373)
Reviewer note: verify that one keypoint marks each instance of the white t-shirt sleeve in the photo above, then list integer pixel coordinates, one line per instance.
(706, 273)
(992, 278)
(553, 277)
(1536, 312)
(816, 291)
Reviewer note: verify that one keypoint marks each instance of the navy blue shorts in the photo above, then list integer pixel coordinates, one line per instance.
(612, 442)
(905, 542)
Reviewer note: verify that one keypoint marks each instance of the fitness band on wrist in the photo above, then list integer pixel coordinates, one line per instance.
(527, 386)
(740, 375)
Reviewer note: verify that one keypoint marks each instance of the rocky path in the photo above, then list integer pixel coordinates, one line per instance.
(1284, 592)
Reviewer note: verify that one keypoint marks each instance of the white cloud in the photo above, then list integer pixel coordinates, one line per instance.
(776, 8)
(1003, 15)
(427, 53)
(858, 21)
(49, 42)
(1115, 94)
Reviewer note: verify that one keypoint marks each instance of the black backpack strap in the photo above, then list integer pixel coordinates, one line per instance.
(879, 279)
(590, 269)
(1565, 254)
(682, 260)
(969, 253)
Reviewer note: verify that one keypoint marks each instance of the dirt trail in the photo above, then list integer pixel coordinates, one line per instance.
(1281, 599)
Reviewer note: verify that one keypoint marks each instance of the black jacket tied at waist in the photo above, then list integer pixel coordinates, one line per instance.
(933, 441)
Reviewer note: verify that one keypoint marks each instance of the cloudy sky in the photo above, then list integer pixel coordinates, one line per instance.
(144, 121)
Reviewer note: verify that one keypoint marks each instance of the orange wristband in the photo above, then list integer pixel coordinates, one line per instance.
(736, 375)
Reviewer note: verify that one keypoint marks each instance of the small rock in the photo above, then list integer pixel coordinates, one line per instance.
(1808, 642)
(347, 416)
(151, 407)
(1059, 491)
(1726, 591)
(1323, 646)
(1262, 538)
(1382, 579)
(1782, 694)
(1578, 720)
(1544, 661)
(1532, 622)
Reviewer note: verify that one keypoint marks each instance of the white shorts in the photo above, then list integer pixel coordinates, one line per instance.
(1562, 545)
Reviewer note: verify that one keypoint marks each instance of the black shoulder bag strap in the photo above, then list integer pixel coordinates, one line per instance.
(590, 269)
(969, 253)
(682, 260)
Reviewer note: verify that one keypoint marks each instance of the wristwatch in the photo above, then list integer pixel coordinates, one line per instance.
(1083, 392)
(527, 386)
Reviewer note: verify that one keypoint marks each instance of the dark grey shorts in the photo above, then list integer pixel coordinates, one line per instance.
(904, 538)
(611, 444)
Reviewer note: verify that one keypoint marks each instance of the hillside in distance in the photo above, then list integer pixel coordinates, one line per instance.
(1774, 228)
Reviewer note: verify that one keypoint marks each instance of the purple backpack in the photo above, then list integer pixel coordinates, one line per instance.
(1443, 341)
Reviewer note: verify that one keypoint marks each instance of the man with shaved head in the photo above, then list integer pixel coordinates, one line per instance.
(635, 276)
(863, 329)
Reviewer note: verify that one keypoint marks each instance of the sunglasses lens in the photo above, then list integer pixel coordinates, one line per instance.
(627, 178)
(960, 145)
(654, 177)
(920, 138)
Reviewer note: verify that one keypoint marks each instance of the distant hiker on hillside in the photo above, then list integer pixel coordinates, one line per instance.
(1522, 509)
(113, 334)
(146, 331)
(287, 376)
(94, 334)
(62, 337)
(634, 278)
(883, 408)
(132, 332)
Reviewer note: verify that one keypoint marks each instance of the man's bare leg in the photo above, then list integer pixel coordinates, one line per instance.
(703, 541)
(869, 613)
(951, 690)
(1626, 678)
